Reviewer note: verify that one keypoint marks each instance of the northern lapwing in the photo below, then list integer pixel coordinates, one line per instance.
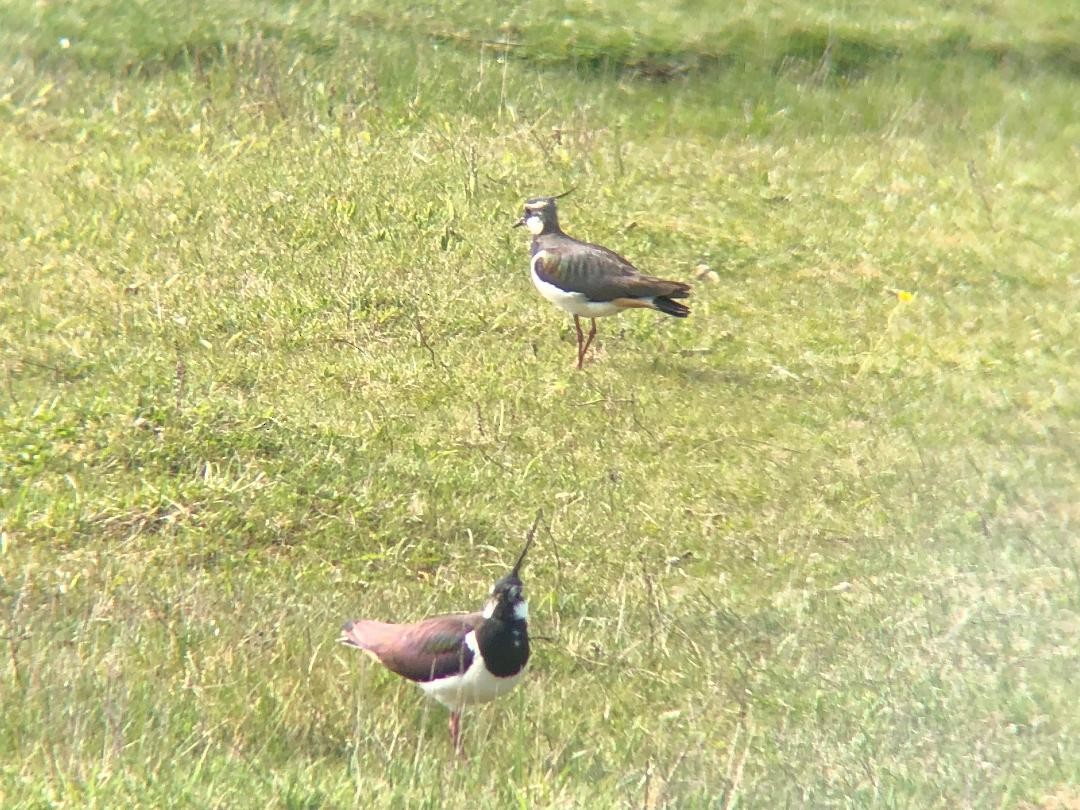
(590, 281)
(461, 658)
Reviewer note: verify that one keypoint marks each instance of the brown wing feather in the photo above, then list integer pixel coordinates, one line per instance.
(422, 651)
(603, 275)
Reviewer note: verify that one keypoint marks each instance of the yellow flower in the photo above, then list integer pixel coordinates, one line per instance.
(904, 297)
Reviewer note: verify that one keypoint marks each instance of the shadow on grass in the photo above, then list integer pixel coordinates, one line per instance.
(683, 369)
(820, 53)
(816, 53)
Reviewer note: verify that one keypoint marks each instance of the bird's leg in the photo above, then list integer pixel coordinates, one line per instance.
(580, 342)
(588, 342)
(455, 731)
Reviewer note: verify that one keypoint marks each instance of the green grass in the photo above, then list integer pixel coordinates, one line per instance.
(271, 359)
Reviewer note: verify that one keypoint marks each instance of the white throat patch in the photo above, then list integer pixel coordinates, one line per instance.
(521, 610)
(535, 225)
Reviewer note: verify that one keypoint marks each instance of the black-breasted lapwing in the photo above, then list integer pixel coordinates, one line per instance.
(460, 658)
(590, 281)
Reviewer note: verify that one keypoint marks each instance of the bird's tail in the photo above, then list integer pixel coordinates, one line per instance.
(352, 633)
(669, 307)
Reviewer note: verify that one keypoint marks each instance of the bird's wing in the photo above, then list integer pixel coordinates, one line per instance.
(600, 274)
(425, 651)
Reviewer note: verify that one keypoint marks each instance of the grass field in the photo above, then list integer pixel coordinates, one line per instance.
(271, 360)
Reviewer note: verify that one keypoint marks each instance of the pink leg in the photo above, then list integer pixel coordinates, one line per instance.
(455, 731)
(580, 342)
(588, 343)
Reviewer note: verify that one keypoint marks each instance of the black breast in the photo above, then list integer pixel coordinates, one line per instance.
(504, 646)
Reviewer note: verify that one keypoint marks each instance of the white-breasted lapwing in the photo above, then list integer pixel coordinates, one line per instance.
(460, 658)
(590, 281)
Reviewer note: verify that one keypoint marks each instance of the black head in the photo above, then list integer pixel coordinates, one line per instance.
(507, 602)
(541, 215)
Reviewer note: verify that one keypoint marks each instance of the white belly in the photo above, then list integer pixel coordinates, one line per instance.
(475, 685)
(573, 302)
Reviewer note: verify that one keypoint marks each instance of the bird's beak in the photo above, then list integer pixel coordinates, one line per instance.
(519, 223)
